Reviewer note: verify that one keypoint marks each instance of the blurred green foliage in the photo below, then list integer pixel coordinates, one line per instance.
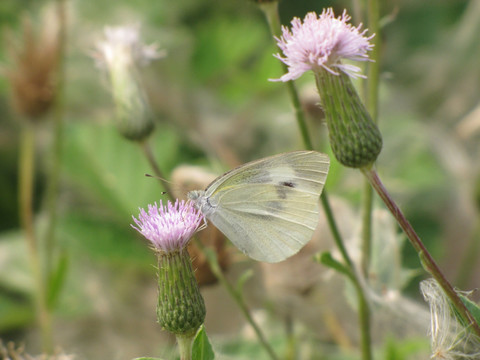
(212, 93)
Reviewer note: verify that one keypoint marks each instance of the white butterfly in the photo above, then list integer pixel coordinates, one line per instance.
(268, 208)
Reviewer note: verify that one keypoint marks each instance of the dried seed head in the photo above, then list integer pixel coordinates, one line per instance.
(34, 60)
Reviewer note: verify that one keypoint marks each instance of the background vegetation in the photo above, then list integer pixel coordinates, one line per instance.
(215, 107)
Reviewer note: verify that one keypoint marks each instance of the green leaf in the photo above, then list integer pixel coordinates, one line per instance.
(16, 312)
(202, 350)
(147, 358)
(110, 171)
(102, 239)
(327, 259)
(56, 280)
(472, 307)
(247, 274)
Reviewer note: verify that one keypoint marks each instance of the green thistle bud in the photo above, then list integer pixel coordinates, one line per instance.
(122, 54)
(180, 308)
(354, 137)
(133, 116)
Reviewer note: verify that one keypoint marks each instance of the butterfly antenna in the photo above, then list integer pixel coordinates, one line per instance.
(161, 179)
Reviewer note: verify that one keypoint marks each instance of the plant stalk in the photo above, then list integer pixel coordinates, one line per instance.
(427, 261)
(26, 181)
(54, 171)
(185, 346)
(371, 101)
(238, 297)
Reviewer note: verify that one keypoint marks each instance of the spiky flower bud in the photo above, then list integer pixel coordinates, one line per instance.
(354, 137)
(122, 54)
(319, 44)
(180, 308)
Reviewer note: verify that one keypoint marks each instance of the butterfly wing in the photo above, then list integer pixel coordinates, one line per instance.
(308, 168)
(269, 208)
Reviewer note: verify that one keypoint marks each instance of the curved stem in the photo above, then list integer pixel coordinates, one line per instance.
(270, 9)
(237, 296)
(26, 177)
(427, 261)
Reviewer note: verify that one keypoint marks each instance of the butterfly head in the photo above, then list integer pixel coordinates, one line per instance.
(199, 200)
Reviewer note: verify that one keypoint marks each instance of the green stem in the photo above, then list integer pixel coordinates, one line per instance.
(427, 261)
(366, 228)
(237, 296)
(364, 321)
(336, 234)
(363, 306)
(185, 346)
(54, 173)
(26, 180)
(147, 151)
(270, 9)
(371, 101)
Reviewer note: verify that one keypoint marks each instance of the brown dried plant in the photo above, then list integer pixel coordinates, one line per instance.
(34, 60)
(10, 351)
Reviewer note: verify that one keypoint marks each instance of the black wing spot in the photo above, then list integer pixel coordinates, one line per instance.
(288, 183)
(282, 189)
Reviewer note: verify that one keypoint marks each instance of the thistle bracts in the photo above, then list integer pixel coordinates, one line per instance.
(354, 137)
(122, 54)
(180, 309)
(132, 112)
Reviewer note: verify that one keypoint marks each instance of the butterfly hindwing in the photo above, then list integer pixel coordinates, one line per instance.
(272, 229)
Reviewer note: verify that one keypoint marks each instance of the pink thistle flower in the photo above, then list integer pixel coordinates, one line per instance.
(122, 47)
(170, 227)
(320, 43)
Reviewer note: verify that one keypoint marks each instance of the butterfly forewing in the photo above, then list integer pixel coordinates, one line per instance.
(308, 168)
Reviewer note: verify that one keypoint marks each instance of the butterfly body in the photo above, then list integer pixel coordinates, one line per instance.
(268, 208)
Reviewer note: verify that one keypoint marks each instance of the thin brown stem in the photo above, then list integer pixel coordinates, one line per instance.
(427, 261)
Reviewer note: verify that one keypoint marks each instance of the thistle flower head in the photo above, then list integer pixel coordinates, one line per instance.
(180, 307)
(169, 228)
(321, 42)
(122, 44)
